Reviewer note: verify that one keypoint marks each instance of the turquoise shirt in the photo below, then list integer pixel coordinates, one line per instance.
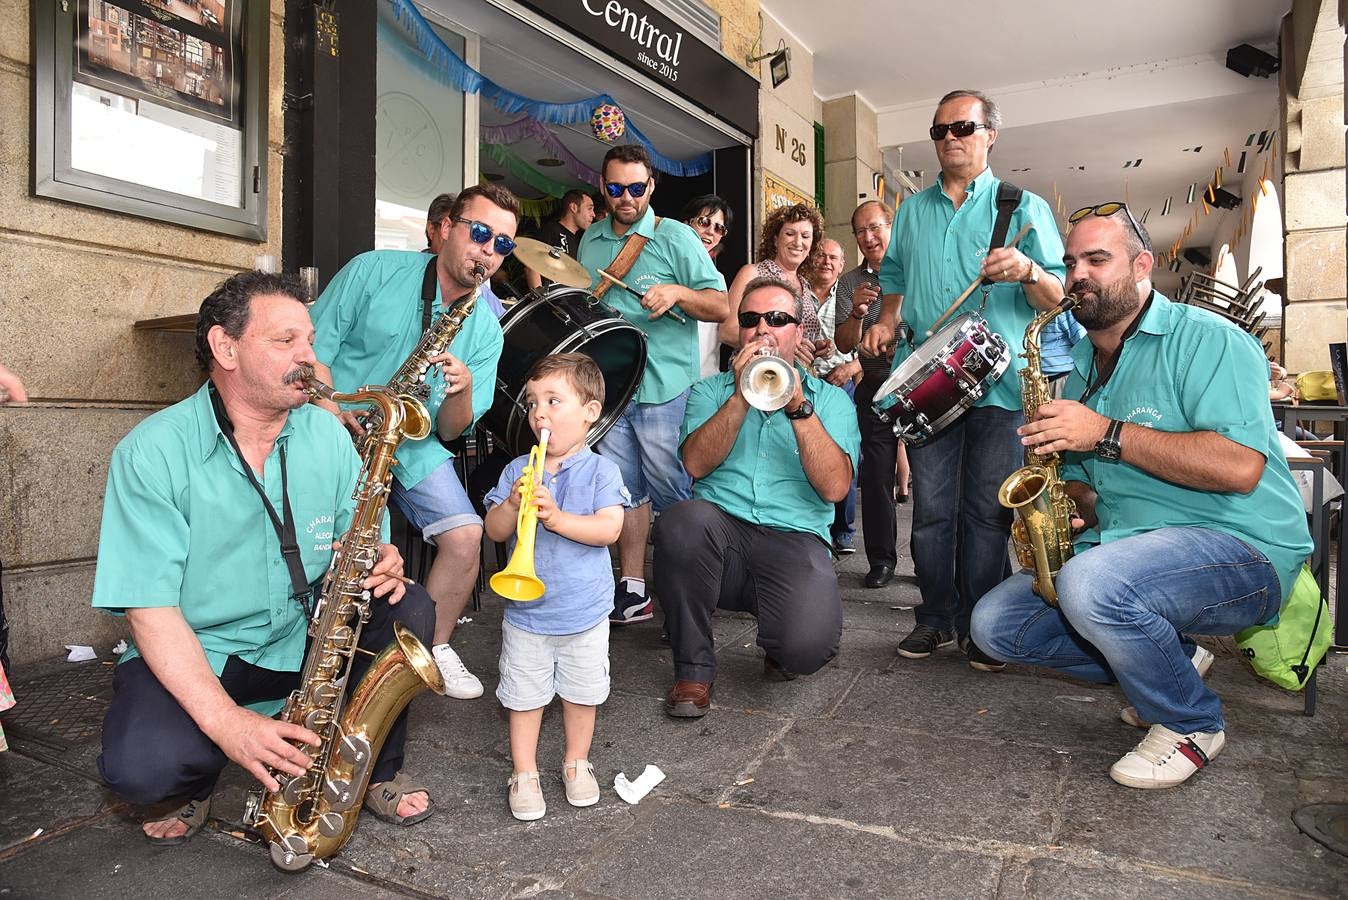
(183, 527)
(368, 322)
(1186, 369)
(761, 479)
(673, 255)
(935, 251)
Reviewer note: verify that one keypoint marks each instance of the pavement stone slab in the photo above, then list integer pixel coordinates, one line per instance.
(34, 794)
(910, 781)
(691, 850)
(1058, 878)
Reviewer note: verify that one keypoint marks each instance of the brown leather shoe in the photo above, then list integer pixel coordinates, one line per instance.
(689, 699)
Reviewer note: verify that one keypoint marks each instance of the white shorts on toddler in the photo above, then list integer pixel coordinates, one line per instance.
(537, 667)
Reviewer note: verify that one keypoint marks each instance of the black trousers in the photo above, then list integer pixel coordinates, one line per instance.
(705, 558)
(154, 751)
(879, 455)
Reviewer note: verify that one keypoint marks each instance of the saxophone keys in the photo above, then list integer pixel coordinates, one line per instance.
(331, 825)
(338, 794)
(293, 790)
(354, 750)
(291, 853)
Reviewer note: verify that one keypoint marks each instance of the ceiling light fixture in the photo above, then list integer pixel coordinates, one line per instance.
(550, 161)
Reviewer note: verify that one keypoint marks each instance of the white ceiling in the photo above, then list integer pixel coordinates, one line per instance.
(1081, 83)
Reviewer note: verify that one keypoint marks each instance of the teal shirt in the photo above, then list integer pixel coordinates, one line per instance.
(935, 251)
(1186, 369)
(761, 479)
(368, 322)
(673, 255)
(183, 527)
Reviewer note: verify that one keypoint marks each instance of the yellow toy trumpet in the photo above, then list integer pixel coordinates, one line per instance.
(518, 580)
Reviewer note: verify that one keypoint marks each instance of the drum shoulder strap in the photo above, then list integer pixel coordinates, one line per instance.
(1008, 198)
(623, 262)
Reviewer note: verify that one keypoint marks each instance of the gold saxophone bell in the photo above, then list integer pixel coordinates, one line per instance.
(767, 381)
(518, 580)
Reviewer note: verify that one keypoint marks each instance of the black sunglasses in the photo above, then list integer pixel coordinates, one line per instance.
(708, 222)
(1104, 211)
(958, 129)
(775, 319)
(637, 189)
(480, 234)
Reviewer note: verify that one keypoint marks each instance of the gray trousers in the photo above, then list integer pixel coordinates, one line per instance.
(706, 558)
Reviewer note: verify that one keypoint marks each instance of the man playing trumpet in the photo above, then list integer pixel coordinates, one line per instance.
(755, 536)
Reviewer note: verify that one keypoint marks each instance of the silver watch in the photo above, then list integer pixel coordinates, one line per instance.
(1034, 274)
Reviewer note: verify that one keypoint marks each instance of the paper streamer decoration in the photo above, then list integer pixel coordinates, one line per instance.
(527, 173)
(513, 132)
(450, 69)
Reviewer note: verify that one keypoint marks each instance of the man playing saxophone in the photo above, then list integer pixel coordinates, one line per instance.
(1193, 522)
(369, 321)
(220, 512)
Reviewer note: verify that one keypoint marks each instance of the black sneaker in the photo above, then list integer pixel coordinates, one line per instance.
(843, 544)
(923, 641)
(978, 659)
(629, 607)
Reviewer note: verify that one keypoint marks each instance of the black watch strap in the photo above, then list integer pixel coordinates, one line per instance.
(804, 411)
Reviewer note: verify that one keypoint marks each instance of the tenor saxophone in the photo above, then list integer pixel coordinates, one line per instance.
(312, 815)
(1042, 533)
(410, 378)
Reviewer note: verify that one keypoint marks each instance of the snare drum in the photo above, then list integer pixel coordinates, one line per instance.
(942, 378)
(561, 319)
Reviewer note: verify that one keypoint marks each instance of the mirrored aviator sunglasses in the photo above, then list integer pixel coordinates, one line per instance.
(480, 234)
(1104, 211)
(708, 222)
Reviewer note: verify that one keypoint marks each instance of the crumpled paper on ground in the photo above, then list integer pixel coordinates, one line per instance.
(633, 791)
(80, 653)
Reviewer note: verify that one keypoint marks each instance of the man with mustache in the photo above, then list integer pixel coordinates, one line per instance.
(368, 321)
(220, 513)
(673, 273)
(1192, 520)
(939, 244)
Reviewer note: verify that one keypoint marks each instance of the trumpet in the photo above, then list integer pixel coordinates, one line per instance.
(518, 580)
(768, 380)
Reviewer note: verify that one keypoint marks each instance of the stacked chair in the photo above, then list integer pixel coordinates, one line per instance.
(1235, 303)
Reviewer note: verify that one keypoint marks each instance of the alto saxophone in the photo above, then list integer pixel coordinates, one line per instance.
(312, 815)
(410, 379)
(1042, 533)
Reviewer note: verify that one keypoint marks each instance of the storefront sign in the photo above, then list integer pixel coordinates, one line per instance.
(777, 193)
(657, 46)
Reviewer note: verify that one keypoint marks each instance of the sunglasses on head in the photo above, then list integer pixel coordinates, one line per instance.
(708, 222)
(637, 189)
(958, 129)
(480, 234)
(1104, 211)
(775, 319)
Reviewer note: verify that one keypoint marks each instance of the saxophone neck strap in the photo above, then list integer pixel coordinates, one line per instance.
(623, 262)
(428, 292)
(284, 525)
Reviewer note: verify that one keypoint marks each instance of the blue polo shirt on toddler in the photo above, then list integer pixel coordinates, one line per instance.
(577, 578)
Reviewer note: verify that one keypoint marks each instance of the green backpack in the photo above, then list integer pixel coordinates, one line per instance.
(1287, 652)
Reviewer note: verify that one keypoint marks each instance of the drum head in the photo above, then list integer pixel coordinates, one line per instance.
(563, 320)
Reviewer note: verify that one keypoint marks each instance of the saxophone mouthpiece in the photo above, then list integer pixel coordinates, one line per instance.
(312, 386)
(479, 272)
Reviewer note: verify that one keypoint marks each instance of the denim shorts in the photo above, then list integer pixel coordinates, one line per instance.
(644, 442)
(537, 667)
(437, 504)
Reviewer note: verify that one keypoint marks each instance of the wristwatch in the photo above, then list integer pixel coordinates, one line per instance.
(1108, 447)
(804, 411)
(1033, 277)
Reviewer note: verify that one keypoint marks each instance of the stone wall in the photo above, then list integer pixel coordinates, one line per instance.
(75, 279)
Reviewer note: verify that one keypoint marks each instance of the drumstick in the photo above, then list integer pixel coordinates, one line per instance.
(671, 312)
(974, 284)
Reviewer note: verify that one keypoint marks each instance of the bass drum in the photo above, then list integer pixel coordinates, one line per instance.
(562, 319)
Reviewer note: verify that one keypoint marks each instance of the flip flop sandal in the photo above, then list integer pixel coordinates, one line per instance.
(382, 802)
(195, 813)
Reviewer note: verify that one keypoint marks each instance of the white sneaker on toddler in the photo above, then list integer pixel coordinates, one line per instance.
(582, 789)
(459, 682)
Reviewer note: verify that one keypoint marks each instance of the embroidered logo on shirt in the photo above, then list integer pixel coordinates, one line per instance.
(1146, 416)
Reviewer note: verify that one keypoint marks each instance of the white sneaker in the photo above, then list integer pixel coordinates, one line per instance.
(459, 682)
(1202, 661)
(1166, 758)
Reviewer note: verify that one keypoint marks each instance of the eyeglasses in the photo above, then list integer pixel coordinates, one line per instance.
(480, 234)
(875, 229)
(705, 222)
(775, 319)
(637, 189)
(1104, 211)
(958, 129)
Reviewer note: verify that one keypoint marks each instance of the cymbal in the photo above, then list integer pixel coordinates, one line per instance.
(551, 263)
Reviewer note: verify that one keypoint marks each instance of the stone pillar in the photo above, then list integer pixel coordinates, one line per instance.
(852, 162)
(1313, 192)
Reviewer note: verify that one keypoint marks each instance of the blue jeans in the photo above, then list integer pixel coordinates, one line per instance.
(1123, 607)
(644, 442)
(960, 531)
(845, 510)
